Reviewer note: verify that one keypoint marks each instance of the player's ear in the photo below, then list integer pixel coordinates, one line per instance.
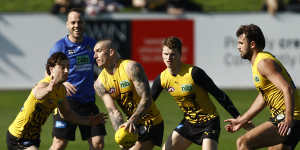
(252, 44)
(112, 51)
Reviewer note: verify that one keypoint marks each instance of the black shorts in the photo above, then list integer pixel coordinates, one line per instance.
(153, 133)
(294, 137)
(13, 143)
(66, 130)
(197, 132)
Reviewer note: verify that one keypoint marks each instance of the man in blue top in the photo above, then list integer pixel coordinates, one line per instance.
(79, 86)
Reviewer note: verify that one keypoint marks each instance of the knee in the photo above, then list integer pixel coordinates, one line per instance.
(58, 144)
(97, 144)
(242, 142)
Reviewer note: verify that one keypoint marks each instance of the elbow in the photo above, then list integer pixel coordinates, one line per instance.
(290, 90)
(147, 101)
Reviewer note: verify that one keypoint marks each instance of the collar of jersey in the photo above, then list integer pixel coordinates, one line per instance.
(71, 44)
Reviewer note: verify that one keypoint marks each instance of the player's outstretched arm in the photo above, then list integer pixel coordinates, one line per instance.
(204, 81)
(68, 114)
(255, 108)
(113, 112)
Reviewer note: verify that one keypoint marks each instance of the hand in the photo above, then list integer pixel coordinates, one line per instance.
(71, 89)
(100, 118)
(233, 126)
(284, 127)
(53, 79)
(130, 126)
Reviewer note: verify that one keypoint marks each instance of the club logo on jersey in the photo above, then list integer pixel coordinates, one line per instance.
(81, 60)
(186, 88)
(124, 84)
(256, 79)
(179, 126)
(112, 90)
(71, 51)
(171, 89)
(60, 124)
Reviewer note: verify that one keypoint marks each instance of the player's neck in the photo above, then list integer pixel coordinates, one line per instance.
(111, 67)
(75, 40)
(253, 57)
(175, 69)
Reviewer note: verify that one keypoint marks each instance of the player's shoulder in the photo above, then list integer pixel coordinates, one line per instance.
(61, 41)
(60, 44)
(131, 64)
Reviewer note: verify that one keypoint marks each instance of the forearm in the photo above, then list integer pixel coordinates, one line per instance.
(228, 105)
(41, 92)
(76, 119)
(143, 105)
(116, 118)
(289, 102)
(254, 109)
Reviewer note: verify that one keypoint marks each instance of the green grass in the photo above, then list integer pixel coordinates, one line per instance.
(11, 102)
(208, 5)
(26, 5)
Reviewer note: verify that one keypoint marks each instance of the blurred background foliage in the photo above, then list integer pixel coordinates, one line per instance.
(207, 5)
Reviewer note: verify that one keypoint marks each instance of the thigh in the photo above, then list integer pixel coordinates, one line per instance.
(209, 144)
(279, 147)
(176, 142)
(89, 132)
(146, 145)
(263, 135)
(31, 148)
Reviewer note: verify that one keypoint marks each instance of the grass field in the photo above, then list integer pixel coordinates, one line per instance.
(208, 6)
(11, 102)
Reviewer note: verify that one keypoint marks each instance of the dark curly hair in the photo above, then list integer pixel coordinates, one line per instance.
(56, 59)
(252, 33)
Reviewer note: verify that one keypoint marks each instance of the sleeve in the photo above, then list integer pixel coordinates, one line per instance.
(204, 81)
(156, 88)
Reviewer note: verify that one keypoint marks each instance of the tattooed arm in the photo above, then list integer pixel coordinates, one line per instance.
(113, 112)
(141, 84)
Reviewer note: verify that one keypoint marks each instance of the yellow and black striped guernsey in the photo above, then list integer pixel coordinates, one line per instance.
(121, 88)
(34, 113)
(272, 95)
(190, 88)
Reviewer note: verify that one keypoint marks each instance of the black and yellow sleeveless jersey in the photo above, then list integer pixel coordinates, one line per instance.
(121, 88)
(190, 88)
(34, 113)
(273, 96)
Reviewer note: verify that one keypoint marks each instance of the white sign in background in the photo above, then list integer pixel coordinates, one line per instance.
(216, 46)
(25, 40)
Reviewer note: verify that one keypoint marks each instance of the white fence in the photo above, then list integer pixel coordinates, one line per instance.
(25, 40)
